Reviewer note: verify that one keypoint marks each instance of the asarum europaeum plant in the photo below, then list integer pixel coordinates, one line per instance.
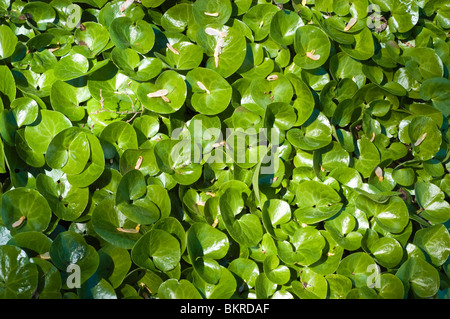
(224, 149)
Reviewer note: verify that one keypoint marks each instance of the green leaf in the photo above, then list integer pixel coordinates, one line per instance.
(19, 276)
(71, 66)
(431, 198)
(404, 176)
(331, 256)
(116, 138)
(69, 151)
(245, 270)
(279, 274)
(106, 219)
(359, 267)
(32, 242)
(369, 157)
(67, 99)
(305, 105)
(211, 94)
(419, 277)
(205, 245)
(423, 63)
(259, 18)
(211, 12)
(315, 133)
(387, 252)
(271, 90)
(8, 41)
(185, 55)
(44, 129)
(114, 264)
(342, 229)
(436, 90)
(66, 201)
(283, 26)
(94, 167)
(391, 215)
(223, 290)
(308, 244)
(435, 241)
(137, 35)
(25, 110)
(70, 248)
(311, 286)
(364, 47)
(425, 137)
(174, 289)
(134, 201)
(50, 283)
(226, 47)
(167, 95)
(316, 202)
(245, 229)
(391, 287)
(7, 86)
(41, 14)
(178, 17)
(339, 285)
(94, 36)
(405, 15)
(24, 209)
(312, 47)
(157, 249)
(275, 212)
(131, 65)
(264, 287)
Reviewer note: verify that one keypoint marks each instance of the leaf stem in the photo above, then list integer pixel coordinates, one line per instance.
(419, 219)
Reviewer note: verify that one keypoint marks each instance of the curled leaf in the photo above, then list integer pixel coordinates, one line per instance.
(129, 230)
(379, 173)
(160, 93)
(313, 56)
(217, 50)
(203, 87)
(215, 32)
(138, 163)
(420, 139)
(171, 48)
(350, 23)
(126, 5)
(212, 14)
(19, 222)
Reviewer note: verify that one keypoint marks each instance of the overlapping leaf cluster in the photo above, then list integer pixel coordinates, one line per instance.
(94, 92)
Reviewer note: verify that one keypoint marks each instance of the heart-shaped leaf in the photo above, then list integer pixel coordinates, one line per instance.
(247, 229)
(157, 249)
(316, 202)
(19, 275)
(70, 248)
(167, 95)
(137, 35)
(211, 94)
(24, 209)
(312, 46)
(205, 245)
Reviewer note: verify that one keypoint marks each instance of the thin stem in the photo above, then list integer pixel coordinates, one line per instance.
(419, 219)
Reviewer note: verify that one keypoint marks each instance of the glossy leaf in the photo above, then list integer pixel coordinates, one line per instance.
(19, 276)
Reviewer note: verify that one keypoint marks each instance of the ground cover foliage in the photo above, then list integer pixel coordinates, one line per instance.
(352, 99)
